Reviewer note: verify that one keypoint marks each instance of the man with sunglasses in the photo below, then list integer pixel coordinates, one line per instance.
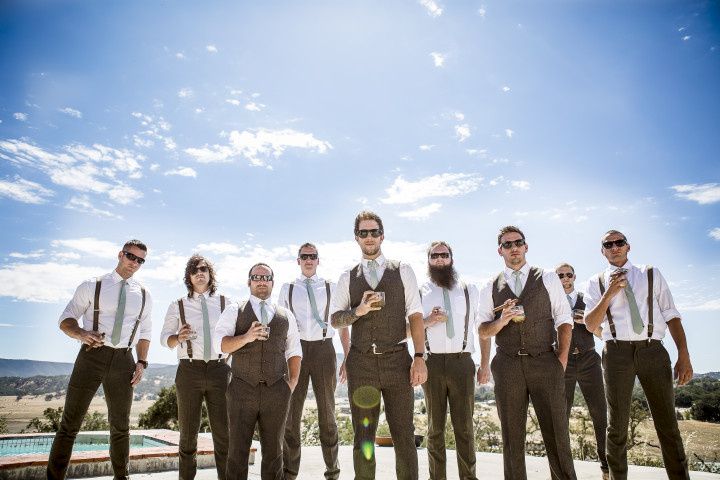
(202, 371)
(116, 312)
(636, 309)
(528, 366)
(584, 367)
(308, 298)
(264, 342)
(450, 309)
(379, 362)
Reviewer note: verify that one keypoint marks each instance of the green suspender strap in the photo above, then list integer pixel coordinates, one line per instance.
(96, 306)
(183, 322)
(467, 314)
(137, 320)
(651, 325)
(327, 307)
(611, 324)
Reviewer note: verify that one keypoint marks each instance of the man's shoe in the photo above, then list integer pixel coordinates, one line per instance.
(606, 475)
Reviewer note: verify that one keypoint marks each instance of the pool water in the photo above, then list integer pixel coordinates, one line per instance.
(41, 444)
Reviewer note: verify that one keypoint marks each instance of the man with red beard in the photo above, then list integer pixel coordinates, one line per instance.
(450, 318)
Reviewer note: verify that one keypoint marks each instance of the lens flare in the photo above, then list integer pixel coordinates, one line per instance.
(366, 397)
(366, 422)
(368, 449)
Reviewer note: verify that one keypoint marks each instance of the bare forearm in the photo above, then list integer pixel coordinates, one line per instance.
(345, 340)
(678, 335)
(490, 329)
(172, 341)
(485, 345)
(596, 316)
(417, 331)
(564, 335)
(343, 318)
(142, 348)
(230, 344)
(294, 368)
(70, 327)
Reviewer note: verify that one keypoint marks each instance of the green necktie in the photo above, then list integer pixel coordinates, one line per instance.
(263, 313)
(518, 283)
(206, 329)
(372, 266)
(570, 301)
(120, 315)
(449, 325)
(313, 304)
(637, 322)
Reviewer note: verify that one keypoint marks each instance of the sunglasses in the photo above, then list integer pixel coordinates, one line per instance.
(261, 278)
(308, 256)
(435, 256)
(618, 243)
(563, 275)
(509, 244)
(202, 269)
(133, 258)
(375, 233)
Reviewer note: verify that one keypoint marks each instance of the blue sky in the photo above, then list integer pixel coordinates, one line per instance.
(241, 130)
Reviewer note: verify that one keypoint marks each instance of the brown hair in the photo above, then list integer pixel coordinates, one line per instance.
(306, 245)
(509, 229)
(190, 266)
(567, 265)
(437, 243)
(616, 232)
(135, 243)
(260, 264)
(368, 215)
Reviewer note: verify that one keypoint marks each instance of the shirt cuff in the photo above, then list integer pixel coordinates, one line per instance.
(670, 314)
(562, 319)
(164, 339)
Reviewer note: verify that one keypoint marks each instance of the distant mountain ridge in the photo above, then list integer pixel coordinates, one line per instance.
(11, 367)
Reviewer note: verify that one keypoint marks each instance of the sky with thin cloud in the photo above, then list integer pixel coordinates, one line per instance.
(240, 130)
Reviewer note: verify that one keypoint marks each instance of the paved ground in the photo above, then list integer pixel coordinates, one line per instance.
(489, 466)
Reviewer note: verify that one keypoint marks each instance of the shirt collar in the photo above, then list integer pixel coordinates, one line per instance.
(524, 270)
(301, 279)
(256, 301)
(116, 278)
(628, 266)
(380, 261)
(197, 296)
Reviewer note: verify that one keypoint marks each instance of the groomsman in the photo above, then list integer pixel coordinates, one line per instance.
(634, 305)
(116, 315)
(202, 372)
(451, 317)
(526, 365)
(264, 342)
(584, 367)
(308, 298)
(379, 362)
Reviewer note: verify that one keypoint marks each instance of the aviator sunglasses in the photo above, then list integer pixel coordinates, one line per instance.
(308, 256)
(133, 258)
(508, 245)
(201, 268)
(618, 243)
(435, 256)
(563, 275)
(375, 233)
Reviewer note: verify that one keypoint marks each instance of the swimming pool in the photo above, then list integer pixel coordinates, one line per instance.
(41, 444)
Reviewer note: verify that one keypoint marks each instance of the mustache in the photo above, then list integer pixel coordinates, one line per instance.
(443, 276)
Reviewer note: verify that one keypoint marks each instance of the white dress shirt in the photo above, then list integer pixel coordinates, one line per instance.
(226, 325)
(81, 305)
(341, 297)
(308, 327)
(194, 318)
(573, 297)
(432, 296)
(559, 306)
(663, 305)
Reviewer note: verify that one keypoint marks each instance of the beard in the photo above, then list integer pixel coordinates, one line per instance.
(370, 250)
(444, 277)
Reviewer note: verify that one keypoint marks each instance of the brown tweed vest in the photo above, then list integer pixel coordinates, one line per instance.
(261, 360)
(582, 339)
(536, 334)
(385, 327)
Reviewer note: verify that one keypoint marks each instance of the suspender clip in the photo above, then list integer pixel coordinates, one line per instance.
(375, 349)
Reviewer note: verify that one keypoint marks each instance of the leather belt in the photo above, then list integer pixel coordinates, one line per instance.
(524, 352)
(374, 349)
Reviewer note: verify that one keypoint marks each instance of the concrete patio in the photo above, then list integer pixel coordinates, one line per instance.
(489, 466)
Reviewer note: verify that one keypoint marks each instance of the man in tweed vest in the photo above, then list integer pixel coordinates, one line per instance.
(526, 365)
(264, 342)
(379, 362)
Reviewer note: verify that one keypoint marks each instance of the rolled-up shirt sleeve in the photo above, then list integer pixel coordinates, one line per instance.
(225, 326)
(145, 326)
(171, 325)
(340, 298)
(664, 298)
(283, 298)
(292, 342)
(558, 301)
(78, 304)
(592, 295)
(485, 304)
(413, 304)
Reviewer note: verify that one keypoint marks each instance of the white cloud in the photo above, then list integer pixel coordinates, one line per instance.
(426, 148)
(258, 147)
(154, 167)
(709, 306)
(442, 185)
(180, 56)
(211, 48)
(235, 92)
(715, 233)
(520, 184)
(421, 213)
(20, 116)
(36, 254)
(509, 133)
(218, 248)
(24, 191)
(72, 112)
(462, 132)
(482, 11)
(89, 246)
(686, 38)
(433, 9)
(43, 282)
(459, 116)
(438, 58)
(155, 129)
(82, 203)
(182, 172)
(141, 142)
(505, 88)
(185, 92)
(704, 194)
(233, 101)
(254, 107)
(474, 151)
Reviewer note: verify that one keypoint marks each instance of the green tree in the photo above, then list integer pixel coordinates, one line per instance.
(707, 408)
(163, 412)
(50, 421)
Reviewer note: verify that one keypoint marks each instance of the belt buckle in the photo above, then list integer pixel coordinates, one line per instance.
(375, 350)
(576, 351)
(521, 353)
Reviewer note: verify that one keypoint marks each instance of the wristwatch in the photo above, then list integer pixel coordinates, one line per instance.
(422, 355)
(144, 363)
